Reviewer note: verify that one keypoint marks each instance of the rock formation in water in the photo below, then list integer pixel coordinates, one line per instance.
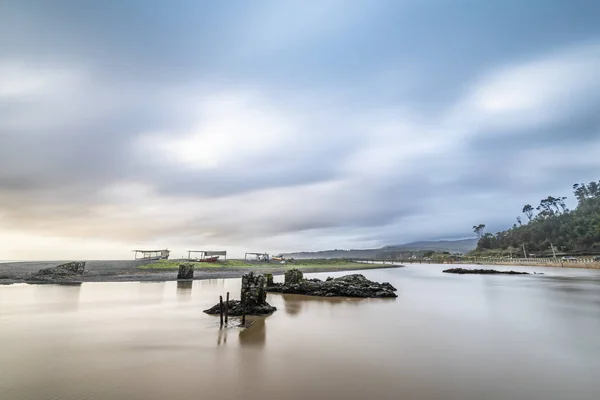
(463, 271)
(354, 285)
(186, 271)
(61, 272)
(255, 294)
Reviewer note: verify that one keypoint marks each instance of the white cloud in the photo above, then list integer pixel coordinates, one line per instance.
(231, 128)
(19, 80)
(533, 92)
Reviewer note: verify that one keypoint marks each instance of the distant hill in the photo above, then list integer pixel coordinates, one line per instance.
(452, 246)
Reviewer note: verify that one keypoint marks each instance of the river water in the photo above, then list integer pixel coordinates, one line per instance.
(445, 337)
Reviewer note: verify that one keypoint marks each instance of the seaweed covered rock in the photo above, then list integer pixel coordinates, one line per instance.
(269, 278)
(254, 291)
(293, 276)
(236, 309)
(186, 271)
(68, 270)
(355, 285)
(463, 271)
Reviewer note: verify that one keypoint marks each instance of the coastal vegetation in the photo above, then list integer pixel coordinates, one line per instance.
(550, 227)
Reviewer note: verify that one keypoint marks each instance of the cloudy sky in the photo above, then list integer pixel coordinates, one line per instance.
(287, 125)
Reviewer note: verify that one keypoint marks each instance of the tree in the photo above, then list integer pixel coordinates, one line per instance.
(576, 230)
(528, 211)
(478, 229)
(563, 206)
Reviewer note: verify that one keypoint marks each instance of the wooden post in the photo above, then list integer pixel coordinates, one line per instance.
(227, 309)
(244, 309)
(221, 309)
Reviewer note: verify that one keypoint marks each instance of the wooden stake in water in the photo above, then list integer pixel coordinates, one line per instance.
(221, 309)
(227, 309)
(244, 309)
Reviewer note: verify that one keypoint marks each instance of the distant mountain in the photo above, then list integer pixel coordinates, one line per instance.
(452, 246)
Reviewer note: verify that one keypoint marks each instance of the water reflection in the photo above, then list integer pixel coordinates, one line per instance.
(212, 283)
(255, 335)
(294, 303)
(184, 290)
(59, 297)
(222, 337)
(151, 292)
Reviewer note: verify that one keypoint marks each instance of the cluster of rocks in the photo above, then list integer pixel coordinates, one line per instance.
(62, 272)
(355, 285)
(236, 309)
(254, 294)
(463, 271)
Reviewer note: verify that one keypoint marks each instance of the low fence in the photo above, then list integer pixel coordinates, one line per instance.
(580, 261)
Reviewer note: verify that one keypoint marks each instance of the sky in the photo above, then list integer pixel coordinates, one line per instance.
(275, 125)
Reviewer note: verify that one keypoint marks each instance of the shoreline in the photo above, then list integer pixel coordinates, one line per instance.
(122, 271)
(566, 264)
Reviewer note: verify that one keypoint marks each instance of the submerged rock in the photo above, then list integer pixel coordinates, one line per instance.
(355, 285)
(236, 309)
(463, 271)
(68, 270)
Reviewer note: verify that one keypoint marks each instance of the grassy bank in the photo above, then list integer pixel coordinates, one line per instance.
(174, 264)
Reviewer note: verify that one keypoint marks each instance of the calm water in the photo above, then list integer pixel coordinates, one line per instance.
(444, 337)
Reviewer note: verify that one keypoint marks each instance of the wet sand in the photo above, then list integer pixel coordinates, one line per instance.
(131, 271)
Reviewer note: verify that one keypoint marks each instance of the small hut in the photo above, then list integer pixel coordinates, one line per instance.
(262, 257)
(147, 255)
(204, 254)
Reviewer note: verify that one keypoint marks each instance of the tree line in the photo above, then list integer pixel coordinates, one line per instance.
(551, 224)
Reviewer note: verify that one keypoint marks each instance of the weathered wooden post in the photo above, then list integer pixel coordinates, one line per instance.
(243, 309)
(221, 309)
(227, 309)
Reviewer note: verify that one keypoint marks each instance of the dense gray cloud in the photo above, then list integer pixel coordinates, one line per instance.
(287, 126)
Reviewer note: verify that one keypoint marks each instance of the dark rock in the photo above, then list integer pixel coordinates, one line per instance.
(235, 309)
(354, 285)
(463, 271)
(68, 270)
(254, 290)
(269, 278)
(293, 276)
(186, 271)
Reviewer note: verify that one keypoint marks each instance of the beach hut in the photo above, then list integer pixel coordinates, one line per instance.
(162, 254)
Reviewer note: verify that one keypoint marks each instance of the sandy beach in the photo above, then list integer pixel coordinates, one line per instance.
(136, 271)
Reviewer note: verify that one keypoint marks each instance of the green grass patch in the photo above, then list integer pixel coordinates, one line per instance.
(316, 263)
(173, 264)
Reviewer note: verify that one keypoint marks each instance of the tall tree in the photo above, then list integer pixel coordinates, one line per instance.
(528, 211)
(478, 229)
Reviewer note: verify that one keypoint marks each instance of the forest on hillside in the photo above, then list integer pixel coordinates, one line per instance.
(550, 224)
